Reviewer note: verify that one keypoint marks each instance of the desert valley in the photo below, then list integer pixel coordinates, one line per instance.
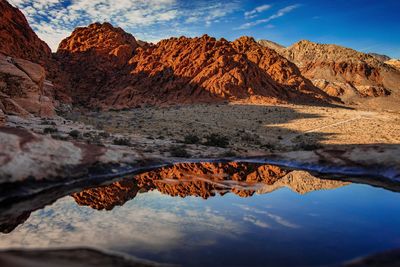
(110, 119)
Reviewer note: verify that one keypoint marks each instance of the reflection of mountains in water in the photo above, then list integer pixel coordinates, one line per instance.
(204, 180)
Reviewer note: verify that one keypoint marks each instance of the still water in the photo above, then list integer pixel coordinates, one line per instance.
(216, 220)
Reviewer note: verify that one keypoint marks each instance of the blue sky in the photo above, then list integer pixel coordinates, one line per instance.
(365, 25)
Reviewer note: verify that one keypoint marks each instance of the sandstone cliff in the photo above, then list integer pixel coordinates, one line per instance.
(23, 89)
(341, 71)
(92, 57)
(109, 68)
(22, 85)
(17, 39)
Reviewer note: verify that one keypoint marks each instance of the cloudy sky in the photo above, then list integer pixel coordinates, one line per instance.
(366, 25)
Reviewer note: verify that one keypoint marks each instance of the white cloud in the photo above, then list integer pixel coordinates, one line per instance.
(280, 13)
(255, 221)
(254, 13)
(53, 20)
(275, 218)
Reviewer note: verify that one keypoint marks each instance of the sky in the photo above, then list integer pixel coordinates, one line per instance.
(365, 25)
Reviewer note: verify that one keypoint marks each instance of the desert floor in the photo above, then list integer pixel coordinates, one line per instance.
(252, 128)
(223, 129)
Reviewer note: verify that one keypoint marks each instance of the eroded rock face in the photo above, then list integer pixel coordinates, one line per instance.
(91, 57)
(189, 70)
(342, 71)
(17, 39)
(110, 69)
(22, 88)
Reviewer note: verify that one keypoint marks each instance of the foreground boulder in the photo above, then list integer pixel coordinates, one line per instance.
(22, 84)
(340, 71)
(72, 257)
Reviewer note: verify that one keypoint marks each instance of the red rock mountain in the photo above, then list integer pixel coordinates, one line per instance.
(92, 57)
(22, 80)
(17, 39)
(108, 69)
(342, 71)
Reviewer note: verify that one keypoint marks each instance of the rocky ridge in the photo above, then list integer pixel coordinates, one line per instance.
(177, 70)
(341, 71)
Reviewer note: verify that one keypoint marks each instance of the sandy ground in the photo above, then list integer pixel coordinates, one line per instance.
(253, 128)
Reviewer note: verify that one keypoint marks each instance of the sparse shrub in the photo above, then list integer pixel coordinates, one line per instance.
(87, 135)
(46, 122)
(309, 146)
(228, 154)
(122, 142)
(59, 137)
(104, 134)
(50, 130)
(179, 152)
(74, 134)
(268, 146)
(191, 139)
(216, 140)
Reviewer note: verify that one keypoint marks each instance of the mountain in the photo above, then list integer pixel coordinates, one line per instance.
(93, 56)
(382, 58)
(112, 70)
(341, 71)
(22, 76)
(17, 39)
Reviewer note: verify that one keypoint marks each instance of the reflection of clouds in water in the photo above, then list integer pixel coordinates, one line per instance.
(255, 221)
(150, 221)
(275, 218)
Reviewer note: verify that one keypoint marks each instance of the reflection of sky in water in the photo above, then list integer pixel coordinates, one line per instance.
(281, 228)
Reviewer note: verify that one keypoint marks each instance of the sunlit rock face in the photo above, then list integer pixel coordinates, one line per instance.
(109, 68)
(17, 38)
(204, 180)
(341, 71)
(92, 57)
(394, 63)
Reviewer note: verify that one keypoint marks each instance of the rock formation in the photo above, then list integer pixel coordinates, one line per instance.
(68, 257)
(394, 62)
(17, 39)
(92, 57)
(22, 58)
(341, 71)
(109, 68)
(381, 58)
(22, 88)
